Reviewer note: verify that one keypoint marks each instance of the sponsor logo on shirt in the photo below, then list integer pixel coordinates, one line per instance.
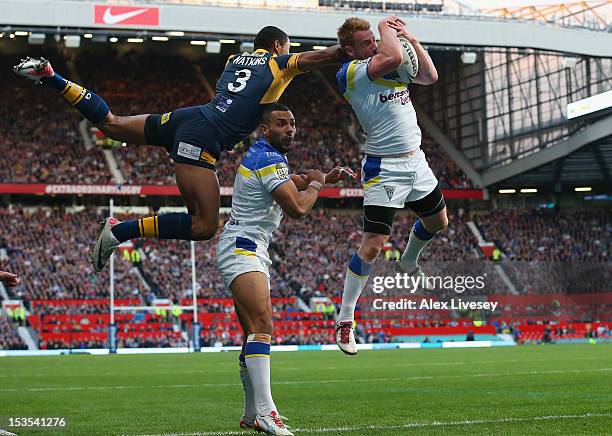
(189, 151)
(282, 170)
(402, 97)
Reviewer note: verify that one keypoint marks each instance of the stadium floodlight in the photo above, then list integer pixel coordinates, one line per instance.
(72, 41)
(319, 47)
(113, 39)
(21, 33)
(227, 41)
(528, 190)
(12, 35)
(160, 38)
(295, 44)
(36, 38)
(247, 47)
(175, 33)
(468, 57)
(135, 40)
(583, 189)
(213, 47)
(507, 191)
(195, 42)
(88, 36)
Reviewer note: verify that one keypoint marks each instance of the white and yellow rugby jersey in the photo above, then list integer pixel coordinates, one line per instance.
(255, 215)
(383, 107)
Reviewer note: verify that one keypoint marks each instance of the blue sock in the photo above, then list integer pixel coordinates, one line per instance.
(89, 104)
(355, 280)
(167, 226)
(421, 232)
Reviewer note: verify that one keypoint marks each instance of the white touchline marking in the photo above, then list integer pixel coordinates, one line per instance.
(297, 382)
(216, 369)
(403, 426)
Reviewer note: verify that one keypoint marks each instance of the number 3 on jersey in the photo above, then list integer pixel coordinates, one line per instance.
(241, 80)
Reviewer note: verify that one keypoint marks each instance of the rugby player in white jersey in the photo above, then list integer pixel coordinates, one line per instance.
(395, 173)
(263, 191)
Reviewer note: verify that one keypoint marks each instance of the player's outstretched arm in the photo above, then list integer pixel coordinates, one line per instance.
(318, 59)
(9, 279)
(427, 74)
(297, 204)
(390, 56)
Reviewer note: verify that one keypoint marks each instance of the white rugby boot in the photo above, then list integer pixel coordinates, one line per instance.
(345, 337)
(34, 69)
(271, 424)
(105, 245)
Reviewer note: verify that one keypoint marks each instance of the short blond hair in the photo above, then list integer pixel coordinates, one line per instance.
(348, 29)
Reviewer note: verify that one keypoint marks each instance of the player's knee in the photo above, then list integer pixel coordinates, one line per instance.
(371, 248)
(439, 225)
(109, 122)
(262, 323)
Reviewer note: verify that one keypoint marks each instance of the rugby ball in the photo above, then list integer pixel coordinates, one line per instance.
(299, 181)
(409, 68)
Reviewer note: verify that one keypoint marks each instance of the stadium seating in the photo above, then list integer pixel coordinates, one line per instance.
(9, 337)
(68, 303)
(47, 151)
(539, 244)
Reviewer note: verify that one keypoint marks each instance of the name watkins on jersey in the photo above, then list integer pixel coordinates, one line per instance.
(248, 61)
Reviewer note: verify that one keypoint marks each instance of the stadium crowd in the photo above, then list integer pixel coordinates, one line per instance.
(48, 151)
(548, 250)
(9, 336)
(48, 248)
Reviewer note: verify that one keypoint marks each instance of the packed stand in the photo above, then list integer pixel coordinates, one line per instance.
(548, 251)
(50, 247)
(40, 134)
(136, 83)
(549, 234)
(9, 336)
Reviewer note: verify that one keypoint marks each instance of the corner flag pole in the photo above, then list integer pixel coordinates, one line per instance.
(112, 329)
(196, 324)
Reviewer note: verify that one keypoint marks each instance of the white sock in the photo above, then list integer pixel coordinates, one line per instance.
(250, 410)
(419, 238)
(355, 280)
(257, 357)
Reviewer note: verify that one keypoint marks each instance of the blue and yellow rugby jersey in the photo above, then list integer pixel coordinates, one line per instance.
(383, 107)
(255, 215)
(249, 82)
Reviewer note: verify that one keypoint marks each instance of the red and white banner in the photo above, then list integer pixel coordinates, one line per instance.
(126, 15)
(170, 190)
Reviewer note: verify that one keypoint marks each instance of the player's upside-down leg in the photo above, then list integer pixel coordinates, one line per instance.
(198, 185)
(254, 310)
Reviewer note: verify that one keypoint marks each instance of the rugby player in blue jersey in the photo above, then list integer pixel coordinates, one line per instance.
(194, 136)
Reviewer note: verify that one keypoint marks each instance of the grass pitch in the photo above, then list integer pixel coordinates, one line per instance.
(557, 389)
